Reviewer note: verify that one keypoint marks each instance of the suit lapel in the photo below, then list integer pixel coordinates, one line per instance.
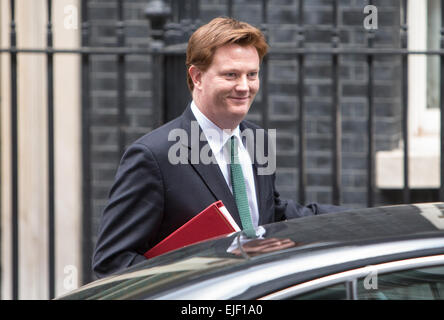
(209, 173)
(213, 177)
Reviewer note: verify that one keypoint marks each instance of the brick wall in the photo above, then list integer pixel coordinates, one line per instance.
(139, 110)
(282, 103)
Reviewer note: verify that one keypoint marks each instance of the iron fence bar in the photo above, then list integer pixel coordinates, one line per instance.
(158, 52)
(175, 10)
(264, 14)
(177, 50)
(86, 152)
(441, 188)
(404, 99)
(195, 15)
(275, 50)
(1, 196)
(265, 70)
(229, 8)
(336, 113)
(370, 124)
(301, 101)
(181, 10)
(441, 96)
(121, 79)
(195, 10)
(51, 188)
(370, 134)
(158, 55)
(157, 86)
(14, 159)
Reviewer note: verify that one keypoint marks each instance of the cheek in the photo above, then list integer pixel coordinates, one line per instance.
(255, 86)
(219, 87)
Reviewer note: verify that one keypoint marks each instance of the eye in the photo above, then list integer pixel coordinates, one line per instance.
(253, 75)
(230, 75)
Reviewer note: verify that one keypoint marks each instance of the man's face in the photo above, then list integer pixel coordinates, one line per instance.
(226, 90)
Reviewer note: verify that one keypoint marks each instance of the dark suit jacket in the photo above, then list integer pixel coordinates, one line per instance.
(151, 197)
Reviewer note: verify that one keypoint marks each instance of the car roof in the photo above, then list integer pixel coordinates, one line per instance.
(323, 233)
(363, 224)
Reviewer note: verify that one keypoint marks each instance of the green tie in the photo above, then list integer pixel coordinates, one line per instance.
(240, 191)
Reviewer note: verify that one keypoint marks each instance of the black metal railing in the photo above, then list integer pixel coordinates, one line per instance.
(404, 103)
(14, 157)
(87, 246)
(51, 188)
(370, 123)
(178, 11)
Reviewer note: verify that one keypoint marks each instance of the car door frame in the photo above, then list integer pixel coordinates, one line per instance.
(350, 277)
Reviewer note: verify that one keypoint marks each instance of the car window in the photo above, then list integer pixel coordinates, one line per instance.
(334, 292)
(414, 284)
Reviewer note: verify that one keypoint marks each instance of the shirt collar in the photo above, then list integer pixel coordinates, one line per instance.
(215, 136)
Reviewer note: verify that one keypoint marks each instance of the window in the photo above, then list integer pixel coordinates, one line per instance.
(415, 284)
(433, 62)
(420, 278)
(424, 24)
(335, 292)
(424, 78)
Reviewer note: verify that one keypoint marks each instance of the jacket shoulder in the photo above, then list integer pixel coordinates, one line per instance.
(158, 138)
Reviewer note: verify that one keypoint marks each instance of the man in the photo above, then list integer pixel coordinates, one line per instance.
(156, 191)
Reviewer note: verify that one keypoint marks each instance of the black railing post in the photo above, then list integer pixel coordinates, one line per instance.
(51, 189)
(175, 10)
(404, 99)
(157, 13)
(195, 10)
(336, 112)
(86, 152)
(230, 8)
(370, 124)
(14, 158)
(301, 85)
(121, 94)
(265, 70)
(182, 10)
(441, 188)
(195, 16)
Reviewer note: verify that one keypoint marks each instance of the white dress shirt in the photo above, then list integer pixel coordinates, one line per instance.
(217, 138)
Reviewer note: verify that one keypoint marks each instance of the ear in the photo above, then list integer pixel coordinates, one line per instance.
(196, 76)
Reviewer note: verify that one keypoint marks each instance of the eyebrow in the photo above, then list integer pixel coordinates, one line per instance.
(237, 70)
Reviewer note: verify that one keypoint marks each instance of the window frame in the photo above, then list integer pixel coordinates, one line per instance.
(350, 277)
(422, 120)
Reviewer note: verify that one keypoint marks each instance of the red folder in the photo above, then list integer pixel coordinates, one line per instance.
(212, 222)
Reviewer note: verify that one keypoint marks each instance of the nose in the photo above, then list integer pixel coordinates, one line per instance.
(242, 83)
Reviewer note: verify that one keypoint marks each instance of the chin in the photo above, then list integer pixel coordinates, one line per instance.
(239, 110)
(240, 107)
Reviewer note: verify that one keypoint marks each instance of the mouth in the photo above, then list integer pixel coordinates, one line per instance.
(240, 99)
